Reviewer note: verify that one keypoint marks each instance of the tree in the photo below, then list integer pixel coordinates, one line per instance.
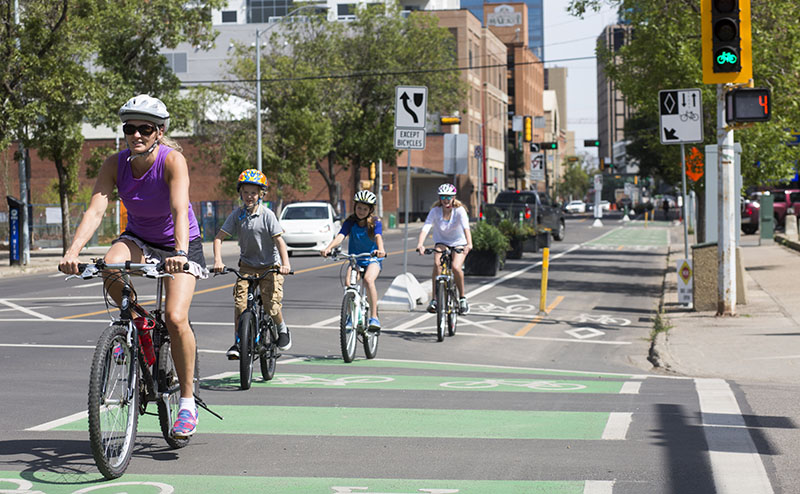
(665, 53)
(575, 182)
(331, 92)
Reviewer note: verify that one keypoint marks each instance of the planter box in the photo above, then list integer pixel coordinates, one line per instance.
(530, 244)
(481, 263)
(517, 247)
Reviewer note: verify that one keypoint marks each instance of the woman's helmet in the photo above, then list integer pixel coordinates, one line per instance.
(254, 177)
(145, 107)
(447, 190)
(365, 196)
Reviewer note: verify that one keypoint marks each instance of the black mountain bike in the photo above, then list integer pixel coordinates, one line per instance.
(132, 366)
(446, 293)
(258, 334)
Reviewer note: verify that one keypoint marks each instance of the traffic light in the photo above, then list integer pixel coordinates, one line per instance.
(591, 143)
(748, 105)
(450, 120)
(548, 145)
(726, 41)
(372, 171)
(527, 128)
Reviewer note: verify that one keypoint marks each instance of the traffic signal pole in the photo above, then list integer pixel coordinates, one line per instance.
(726, 195)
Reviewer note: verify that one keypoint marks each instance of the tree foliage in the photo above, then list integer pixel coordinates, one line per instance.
(328, 88)
(665, 53)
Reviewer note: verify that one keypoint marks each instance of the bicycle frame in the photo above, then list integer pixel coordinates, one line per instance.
(356, 310)
(445, 293)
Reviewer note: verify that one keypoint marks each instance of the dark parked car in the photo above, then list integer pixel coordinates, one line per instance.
(535, 207)
(750, 211)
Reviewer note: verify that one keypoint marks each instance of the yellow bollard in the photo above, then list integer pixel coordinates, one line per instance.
(545, 266)
(646, 213)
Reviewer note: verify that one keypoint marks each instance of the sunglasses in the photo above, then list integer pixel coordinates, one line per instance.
(144, 130)
(445, 198)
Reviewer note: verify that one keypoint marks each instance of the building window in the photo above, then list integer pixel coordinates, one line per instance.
(229, 16)
(176, 62)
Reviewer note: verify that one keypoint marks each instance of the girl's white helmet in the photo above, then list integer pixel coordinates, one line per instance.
(147, 108)
(447, 190)
(365, 196)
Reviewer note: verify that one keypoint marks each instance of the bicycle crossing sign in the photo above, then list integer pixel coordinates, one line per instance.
(681, 116)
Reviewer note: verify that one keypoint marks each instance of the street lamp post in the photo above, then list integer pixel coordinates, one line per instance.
(259, 32)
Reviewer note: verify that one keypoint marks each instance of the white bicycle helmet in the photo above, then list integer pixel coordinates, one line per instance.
(447, 190)
(147, 108)
(365, 196)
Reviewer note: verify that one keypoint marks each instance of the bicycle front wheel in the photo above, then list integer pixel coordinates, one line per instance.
(370, 339)
(452, 312)
(247, 334)
(441, 310)
(268, 348)
(169, 385)
(348, 324)
(113, 402)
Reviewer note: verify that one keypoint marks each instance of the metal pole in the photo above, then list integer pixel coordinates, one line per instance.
(685, 215)
(25, 239)
(258, 97)
(726, 238)
(379, 188)
(407, 201)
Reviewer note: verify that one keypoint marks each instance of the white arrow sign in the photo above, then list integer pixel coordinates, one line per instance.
(681, 112)
(410, 106)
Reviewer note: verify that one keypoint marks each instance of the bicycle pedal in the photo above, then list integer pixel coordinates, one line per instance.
(231, 357)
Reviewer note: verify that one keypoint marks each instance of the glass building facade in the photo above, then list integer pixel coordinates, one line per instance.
(535, 21)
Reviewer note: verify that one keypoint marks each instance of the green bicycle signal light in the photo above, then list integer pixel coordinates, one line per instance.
(591, 143)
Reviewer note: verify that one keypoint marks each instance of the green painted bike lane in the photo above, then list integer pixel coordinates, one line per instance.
(634, 236)
(55, 483)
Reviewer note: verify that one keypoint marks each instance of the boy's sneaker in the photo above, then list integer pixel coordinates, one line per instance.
(463, 306)
(284, 341)
(185, 424)
(432, 306)
(233, 352)
(374, 325)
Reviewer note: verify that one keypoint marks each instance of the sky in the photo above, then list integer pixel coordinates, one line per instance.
(568, 37)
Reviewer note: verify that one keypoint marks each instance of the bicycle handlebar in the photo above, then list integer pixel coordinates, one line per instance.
(337, 254)
(148, 270)
(252, 277)
(457, 250)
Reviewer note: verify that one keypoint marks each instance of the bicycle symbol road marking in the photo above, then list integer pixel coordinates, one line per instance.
(540, 385)
(292, 379)
(364, 490)
(603, 319)
(489, 307)
(25, 487)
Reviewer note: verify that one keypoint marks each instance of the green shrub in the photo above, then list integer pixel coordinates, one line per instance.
(513, 230)
(489, 238)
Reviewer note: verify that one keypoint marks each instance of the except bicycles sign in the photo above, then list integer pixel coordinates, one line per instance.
(681, 112)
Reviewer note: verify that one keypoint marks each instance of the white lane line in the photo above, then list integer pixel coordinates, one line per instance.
(328, 321)
(598, 487)
(617, 426)
(630, 388)
(59, 422)
(735, 463)
(25, 310)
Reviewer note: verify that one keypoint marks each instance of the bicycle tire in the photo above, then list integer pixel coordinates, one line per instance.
(247, 332)
(370, 339)
(268, 353)
(348, 336)
(168, 382)
(452, 312)
(441, 309)
(113, 402)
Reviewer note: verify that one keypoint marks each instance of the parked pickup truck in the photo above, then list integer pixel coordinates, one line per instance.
(534, 208)
(783, 200)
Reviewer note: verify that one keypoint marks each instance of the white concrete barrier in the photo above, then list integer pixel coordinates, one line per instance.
(404, 293)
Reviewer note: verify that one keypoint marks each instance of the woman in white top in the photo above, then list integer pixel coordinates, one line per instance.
(450, 224)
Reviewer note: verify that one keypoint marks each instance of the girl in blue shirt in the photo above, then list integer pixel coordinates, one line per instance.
(365, 231)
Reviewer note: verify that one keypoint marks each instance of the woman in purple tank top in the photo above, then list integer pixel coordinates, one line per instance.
(152, 179)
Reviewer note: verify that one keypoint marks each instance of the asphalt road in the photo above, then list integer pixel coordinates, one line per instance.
(518, 401)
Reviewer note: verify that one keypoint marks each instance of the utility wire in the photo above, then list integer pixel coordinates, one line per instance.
(356, 75)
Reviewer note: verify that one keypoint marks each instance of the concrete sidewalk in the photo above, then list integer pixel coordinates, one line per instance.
(761, 343)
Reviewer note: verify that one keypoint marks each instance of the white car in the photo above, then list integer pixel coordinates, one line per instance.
(575, 207)
(309, 226)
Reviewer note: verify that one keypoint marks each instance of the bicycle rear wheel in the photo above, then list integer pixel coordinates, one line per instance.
(268, 348)
(452, 312)
(441, 309)
(370, 339)
(168, 383)
(247, 334)
(348, 334)
(113, 402)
